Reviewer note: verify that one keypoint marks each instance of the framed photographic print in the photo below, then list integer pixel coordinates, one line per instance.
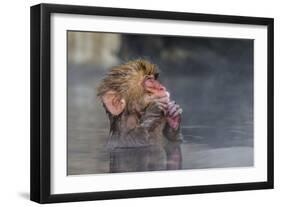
(132, 103)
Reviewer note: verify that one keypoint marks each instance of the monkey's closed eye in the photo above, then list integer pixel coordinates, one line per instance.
(149, 78)
(156, 76)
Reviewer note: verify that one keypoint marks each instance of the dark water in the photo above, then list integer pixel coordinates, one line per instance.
(215, 135)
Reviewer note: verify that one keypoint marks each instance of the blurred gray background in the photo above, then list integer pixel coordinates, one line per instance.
(211, 78)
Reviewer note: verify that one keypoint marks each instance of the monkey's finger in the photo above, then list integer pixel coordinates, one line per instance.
(155, 96)
(164, 100)
(171, 103)
(162, 107)
(178, 112)
(165, 95)
(168, 94)
(173, 109)
(171, 106)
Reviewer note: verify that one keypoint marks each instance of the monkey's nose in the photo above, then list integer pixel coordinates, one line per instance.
(161, 88)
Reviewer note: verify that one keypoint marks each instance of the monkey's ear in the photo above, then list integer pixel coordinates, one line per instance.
(113, 103)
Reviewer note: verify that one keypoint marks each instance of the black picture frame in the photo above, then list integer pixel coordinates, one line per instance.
(41, 102)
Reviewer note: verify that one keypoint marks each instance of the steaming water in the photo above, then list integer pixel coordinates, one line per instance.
(217, 123)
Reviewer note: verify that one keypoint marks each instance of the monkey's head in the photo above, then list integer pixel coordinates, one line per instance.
(128, 86)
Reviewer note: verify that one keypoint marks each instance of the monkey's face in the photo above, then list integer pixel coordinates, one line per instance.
(153, 86)
(154, 91)
(131, 87)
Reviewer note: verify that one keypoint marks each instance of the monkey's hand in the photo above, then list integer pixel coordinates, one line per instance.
(173, 115)
(172, 129)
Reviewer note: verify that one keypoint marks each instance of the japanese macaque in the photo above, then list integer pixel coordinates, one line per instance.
(140, 111)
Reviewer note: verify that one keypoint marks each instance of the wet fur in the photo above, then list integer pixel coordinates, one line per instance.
(141, 123)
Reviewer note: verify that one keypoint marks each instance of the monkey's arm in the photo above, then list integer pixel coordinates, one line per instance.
(172, 134)
(152, 117)
(139, 135)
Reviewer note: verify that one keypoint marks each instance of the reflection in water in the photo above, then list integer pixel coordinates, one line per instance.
(145, 159)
